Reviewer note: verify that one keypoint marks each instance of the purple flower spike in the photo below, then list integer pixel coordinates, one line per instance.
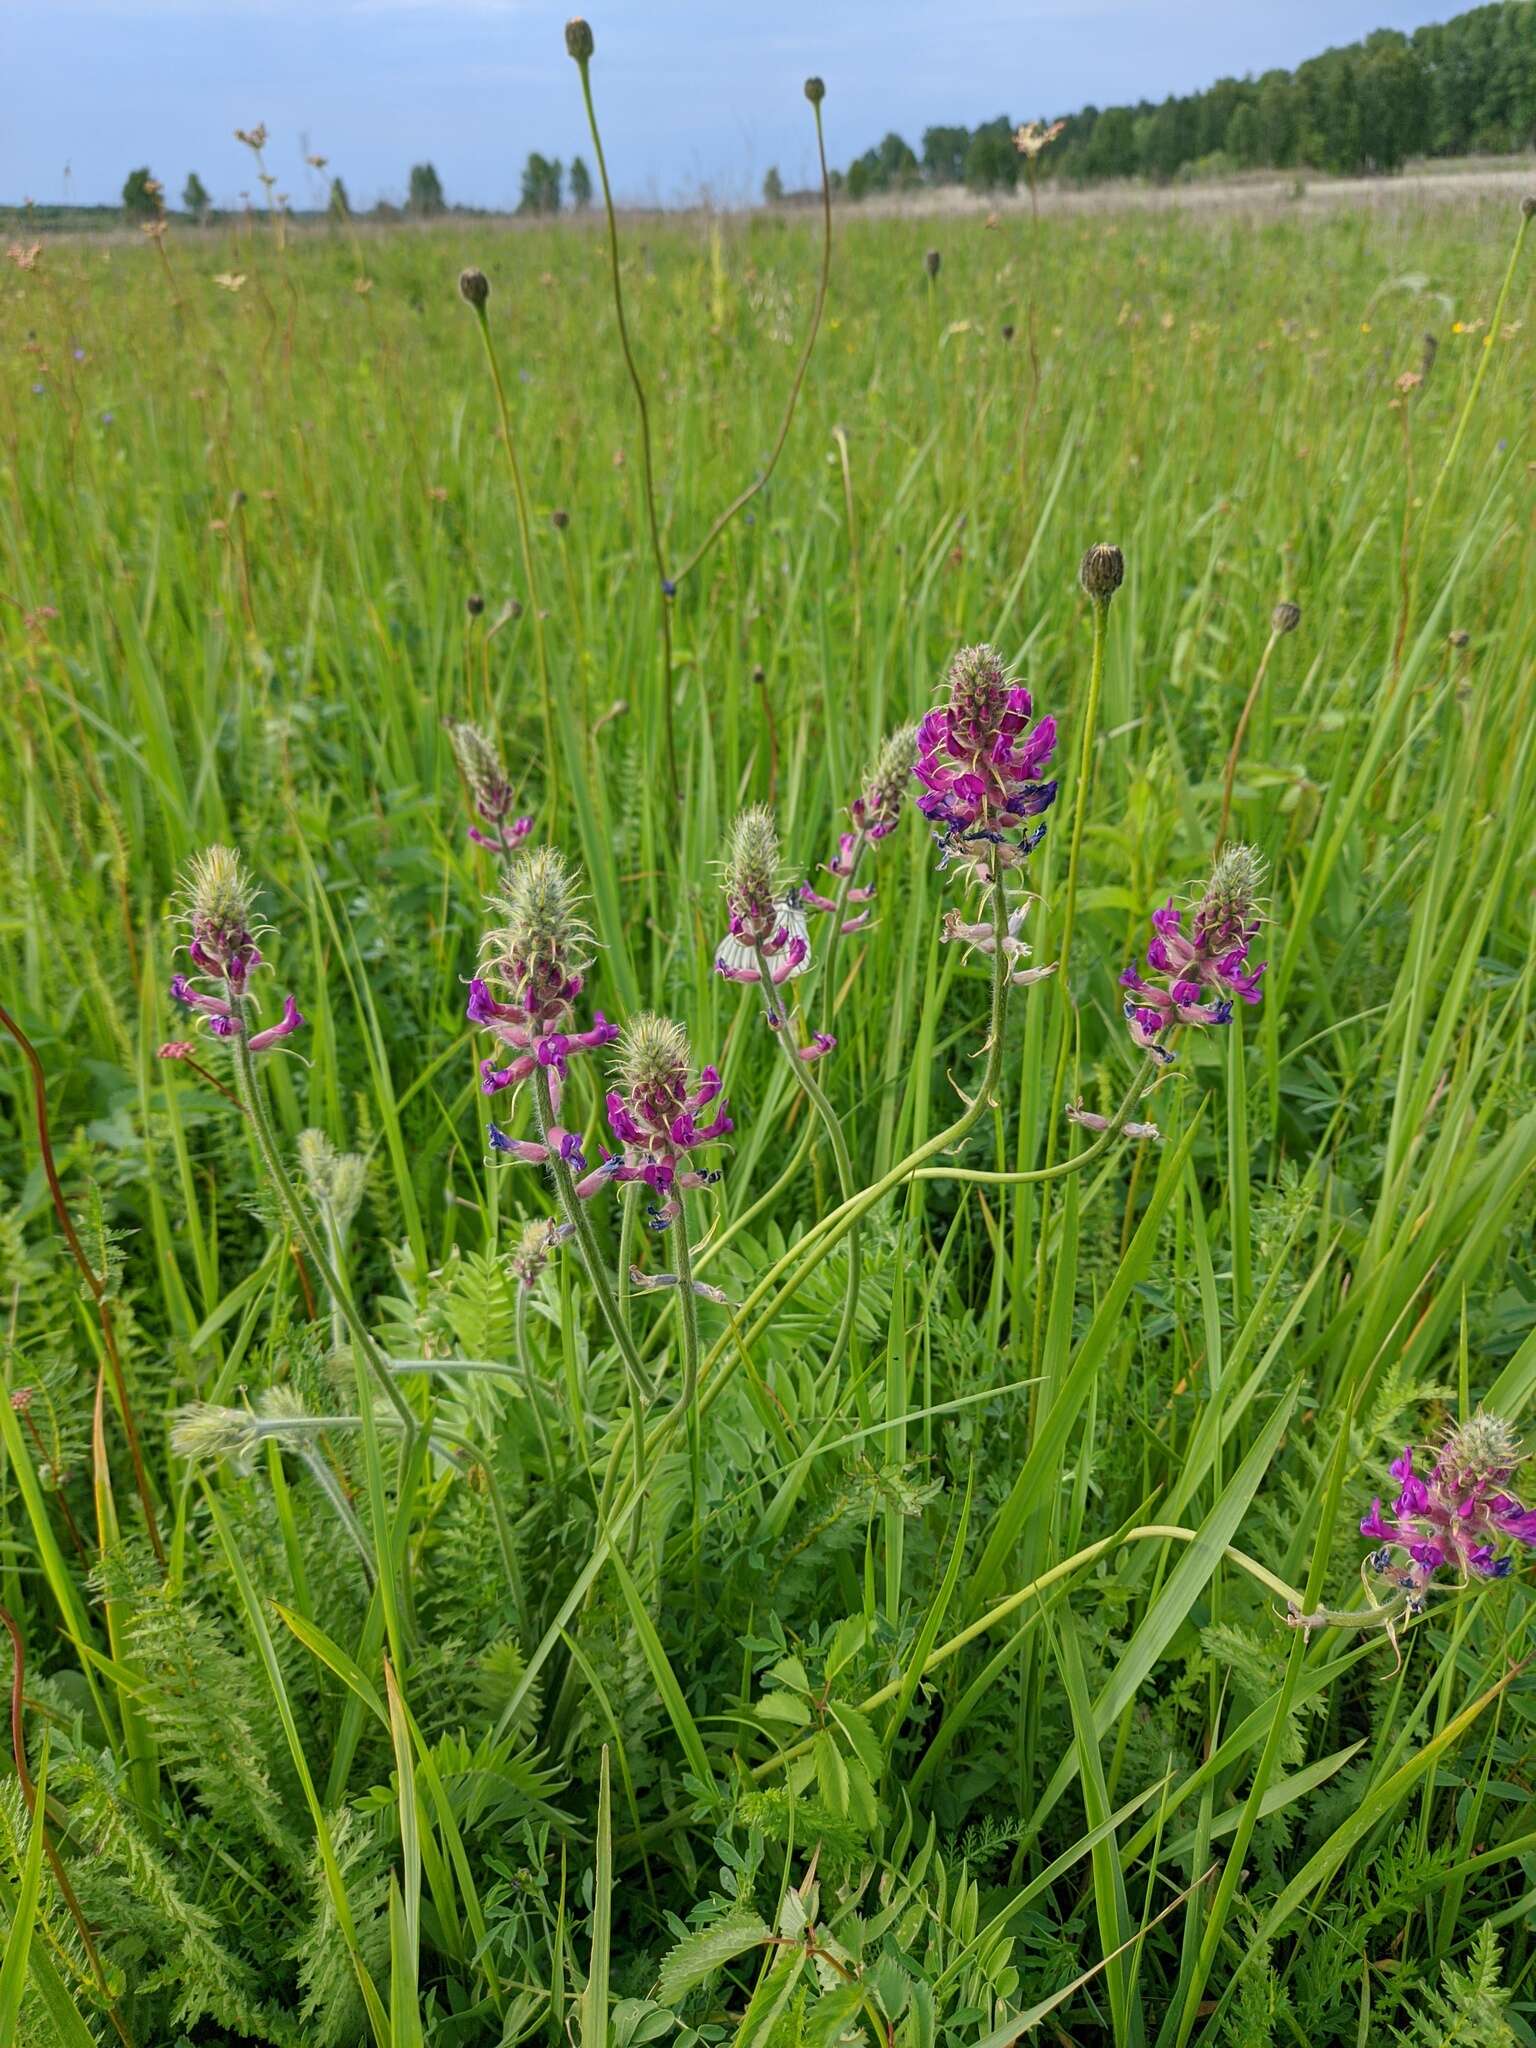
(655, 1114)
(1455, 1518)
(1201, 971)
(979, 763)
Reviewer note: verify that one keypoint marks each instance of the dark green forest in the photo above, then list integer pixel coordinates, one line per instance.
(1457, 88)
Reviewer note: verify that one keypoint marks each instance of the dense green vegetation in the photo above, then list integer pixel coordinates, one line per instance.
(1457, 88)
(932, 1685)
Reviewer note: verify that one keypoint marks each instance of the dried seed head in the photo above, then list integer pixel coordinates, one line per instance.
(543, 932)
(815, 91)
(1285, 617)
(653, 1058)
(1484, 1448)
(336, 1180)
(1101, 572)
(474, 604)
(474, 288)
(578, 39)
(1460, 638)
(217, 908)
(560, 519)
(751, 866)
(932, 261)
(1528, 205)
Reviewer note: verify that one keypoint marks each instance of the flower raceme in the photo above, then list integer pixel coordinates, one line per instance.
(655, 1114)
(217, 910)
(1202, 969)
(489, 790)
(873, 815)
(980, 763)
(1452, 1518)
(532, 969)
(766, 926)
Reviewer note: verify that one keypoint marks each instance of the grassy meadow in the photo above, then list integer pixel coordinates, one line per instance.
(433, 1659)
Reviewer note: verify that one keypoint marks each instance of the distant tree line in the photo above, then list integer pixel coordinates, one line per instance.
(1458, 88)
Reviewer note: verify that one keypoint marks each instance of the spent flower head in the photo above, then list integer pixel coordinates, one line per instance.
(1200, 971)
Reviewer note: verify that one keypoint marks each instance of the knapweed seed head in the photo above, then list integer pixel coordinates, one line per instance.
(815, 91)
(578, 39)
(654, 1113)
(1285, 617)
(217, 910)
(1194, 976)
(932, 261)
(1101, 572)
(979, 762)
(474, 288)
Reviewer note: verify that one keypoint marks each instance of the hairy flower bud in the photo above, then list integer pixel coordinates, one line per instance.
(474, 288)
(1101, 572)
(578, 39)
(815, 91)
(751, 872)
(217, 908)
(1285, 617)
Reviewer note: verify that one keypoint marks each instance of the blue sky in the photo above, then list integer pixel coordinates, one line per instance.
(692, 96)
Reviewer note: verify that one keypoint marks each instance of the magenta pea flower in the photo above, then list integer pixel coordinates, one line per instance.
(1201, 971)
(532, 969)
(1454, 1517)
(874, 814)
(216, 910)
(658, 1118)
(981, 764)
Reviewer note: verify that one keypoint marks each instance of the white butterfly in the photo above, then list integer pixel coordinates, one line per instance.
(733, 955)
